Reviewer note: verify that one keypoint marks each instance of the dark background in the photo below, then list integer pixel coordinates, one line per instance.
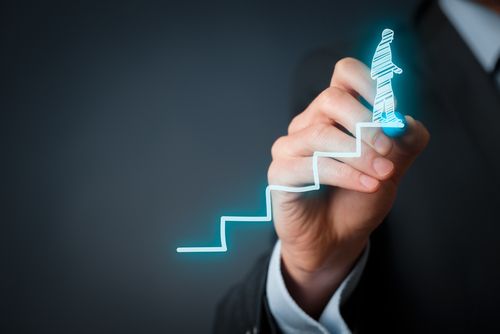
(129, 128)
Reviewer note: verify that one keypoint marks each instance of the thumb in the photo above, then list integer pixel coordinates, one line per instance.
(407, 147)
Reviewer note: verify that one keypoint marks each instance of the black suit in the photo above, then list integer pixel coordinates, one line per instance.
(434, 264)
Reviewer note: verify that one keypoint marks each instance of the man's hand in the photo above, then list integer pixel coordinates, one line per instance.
(323, 233)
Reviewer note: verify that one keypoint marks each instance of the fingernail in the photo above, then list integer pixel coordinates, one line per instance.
(382, 166)
(368, 181)
(382, 144)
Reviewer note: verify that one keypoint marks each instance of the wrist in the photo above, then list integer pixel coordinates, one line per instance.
(312, 286)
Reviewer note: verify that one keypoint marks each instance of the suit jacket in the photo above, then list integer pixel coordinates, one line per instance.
(434, 265)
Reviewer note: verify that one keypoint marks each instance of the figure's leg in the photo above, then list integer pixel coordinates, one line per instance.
(383, 89)
(389, 104)
(378, 109)
(389, 109)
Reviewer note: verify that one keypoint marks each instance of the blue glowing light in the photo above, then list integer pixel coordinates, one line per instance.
(383, 70)
(384, 117)
(396, 132)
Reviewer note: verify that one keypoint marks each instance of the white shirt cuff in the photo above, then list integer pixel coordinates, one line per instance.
(291, 318)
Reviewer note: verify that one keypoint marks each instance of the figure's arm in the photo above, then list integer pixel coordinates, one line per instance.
(397, 69)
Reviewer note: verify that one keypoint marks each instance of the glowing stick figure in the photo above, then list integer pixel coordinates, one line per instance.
(382, 71)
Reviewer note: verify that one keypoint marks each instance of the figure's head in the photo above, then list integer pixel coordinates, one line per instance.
(387, 35)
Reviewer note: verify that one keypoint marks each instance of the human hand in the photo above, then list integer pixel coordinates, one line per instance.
(323, 233)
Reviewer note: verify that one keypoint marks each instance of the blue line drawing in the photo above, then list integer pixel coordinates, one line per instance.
(383, 73)
(383, 70)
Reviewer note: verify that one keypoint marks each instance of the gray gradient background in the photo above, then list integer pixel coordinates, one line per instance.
(130, 128)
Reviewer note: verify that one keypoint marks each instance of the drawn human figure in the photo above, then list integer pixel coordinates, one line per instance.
(382, 70)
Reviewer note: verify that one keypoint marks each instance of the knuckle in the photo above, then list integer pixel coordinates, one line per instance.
(318, 132)
(344, 171)
(277, 146)
(295, 123)
(273, 172)
(345, 65)
(330, 97)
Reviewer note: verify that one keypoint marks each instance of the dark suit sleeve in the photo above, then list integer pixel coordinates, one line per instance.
(244, 308)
